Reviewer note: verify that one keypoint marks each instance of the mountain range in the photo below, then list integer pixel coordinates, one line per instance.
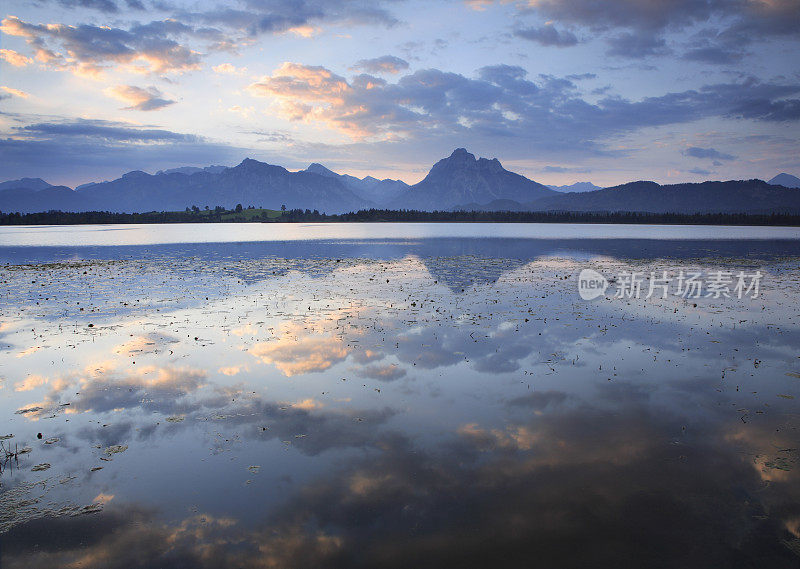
(459, 182)
(786, 180)
(576, 187)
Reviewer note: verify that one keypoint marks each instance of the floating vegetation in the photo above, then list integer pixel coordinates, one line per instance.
(115, 449)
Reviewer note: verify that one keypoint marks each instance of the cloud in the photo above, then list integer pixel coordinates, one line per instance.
(106, 6)
(139, 99)
(775, 17)
(388, 372)
(273, 136)
(301, 17)
(501, 102)
(540, 400)
(478, 5)
(118, 132)
(652, 15)
(228, 69)
(105, 148)
(296, 352)
(144, 344)
(697, 152)
(547, 35)
(297, 357)
(709, 45)
(643, 24)
(88, 49)
(637, 45)
(714, 54)
(383, 64)
(563, 170)
(30, 383)
(581, 76)
(14, 58)
(699, 171)
(165, 389)
(15, 92)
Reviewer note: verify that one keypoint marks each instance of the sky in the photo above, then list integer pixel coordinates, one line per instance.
(607, 91)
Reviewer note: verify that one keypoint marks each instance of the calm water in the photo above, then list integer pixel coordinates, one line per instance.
(395, 395)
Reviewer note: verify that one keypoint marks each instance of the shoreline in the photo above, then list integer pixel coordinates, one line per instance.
(399, 216)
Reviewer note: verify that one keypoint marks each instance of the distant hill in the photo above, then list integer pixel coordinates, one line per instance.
(188, 170)
(463, 179)
(752, 196)
(576, 187)
(33, 184)
(378, 192)
(786, 180)
(25, 200)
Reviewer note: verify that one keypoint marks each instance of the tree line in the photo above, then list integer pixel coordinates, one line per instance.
(239, 214)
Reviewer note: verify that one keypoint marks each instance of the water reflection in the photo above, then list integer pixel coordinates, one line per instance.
(431, 403)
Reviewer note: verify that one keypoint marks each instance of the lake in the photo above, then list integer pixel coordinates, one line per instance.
(399, 395)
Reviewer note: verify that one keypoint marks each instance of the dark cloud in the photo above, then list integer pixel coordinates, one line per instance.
(107, 6)
(107, 131)
(699, 171)
(105, 148)
(697, 152)
(637, 45)
(541, 400)
(781, 17)
(734, 23)
(258, 17)
(383, 64)
(765, 109)
(547, 36)
(710, 46)
(714, 54)
(645, 15)
(581, 76)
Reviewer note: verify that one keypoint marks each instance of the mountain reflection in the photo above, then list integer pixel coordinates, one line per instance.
(424, 404)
